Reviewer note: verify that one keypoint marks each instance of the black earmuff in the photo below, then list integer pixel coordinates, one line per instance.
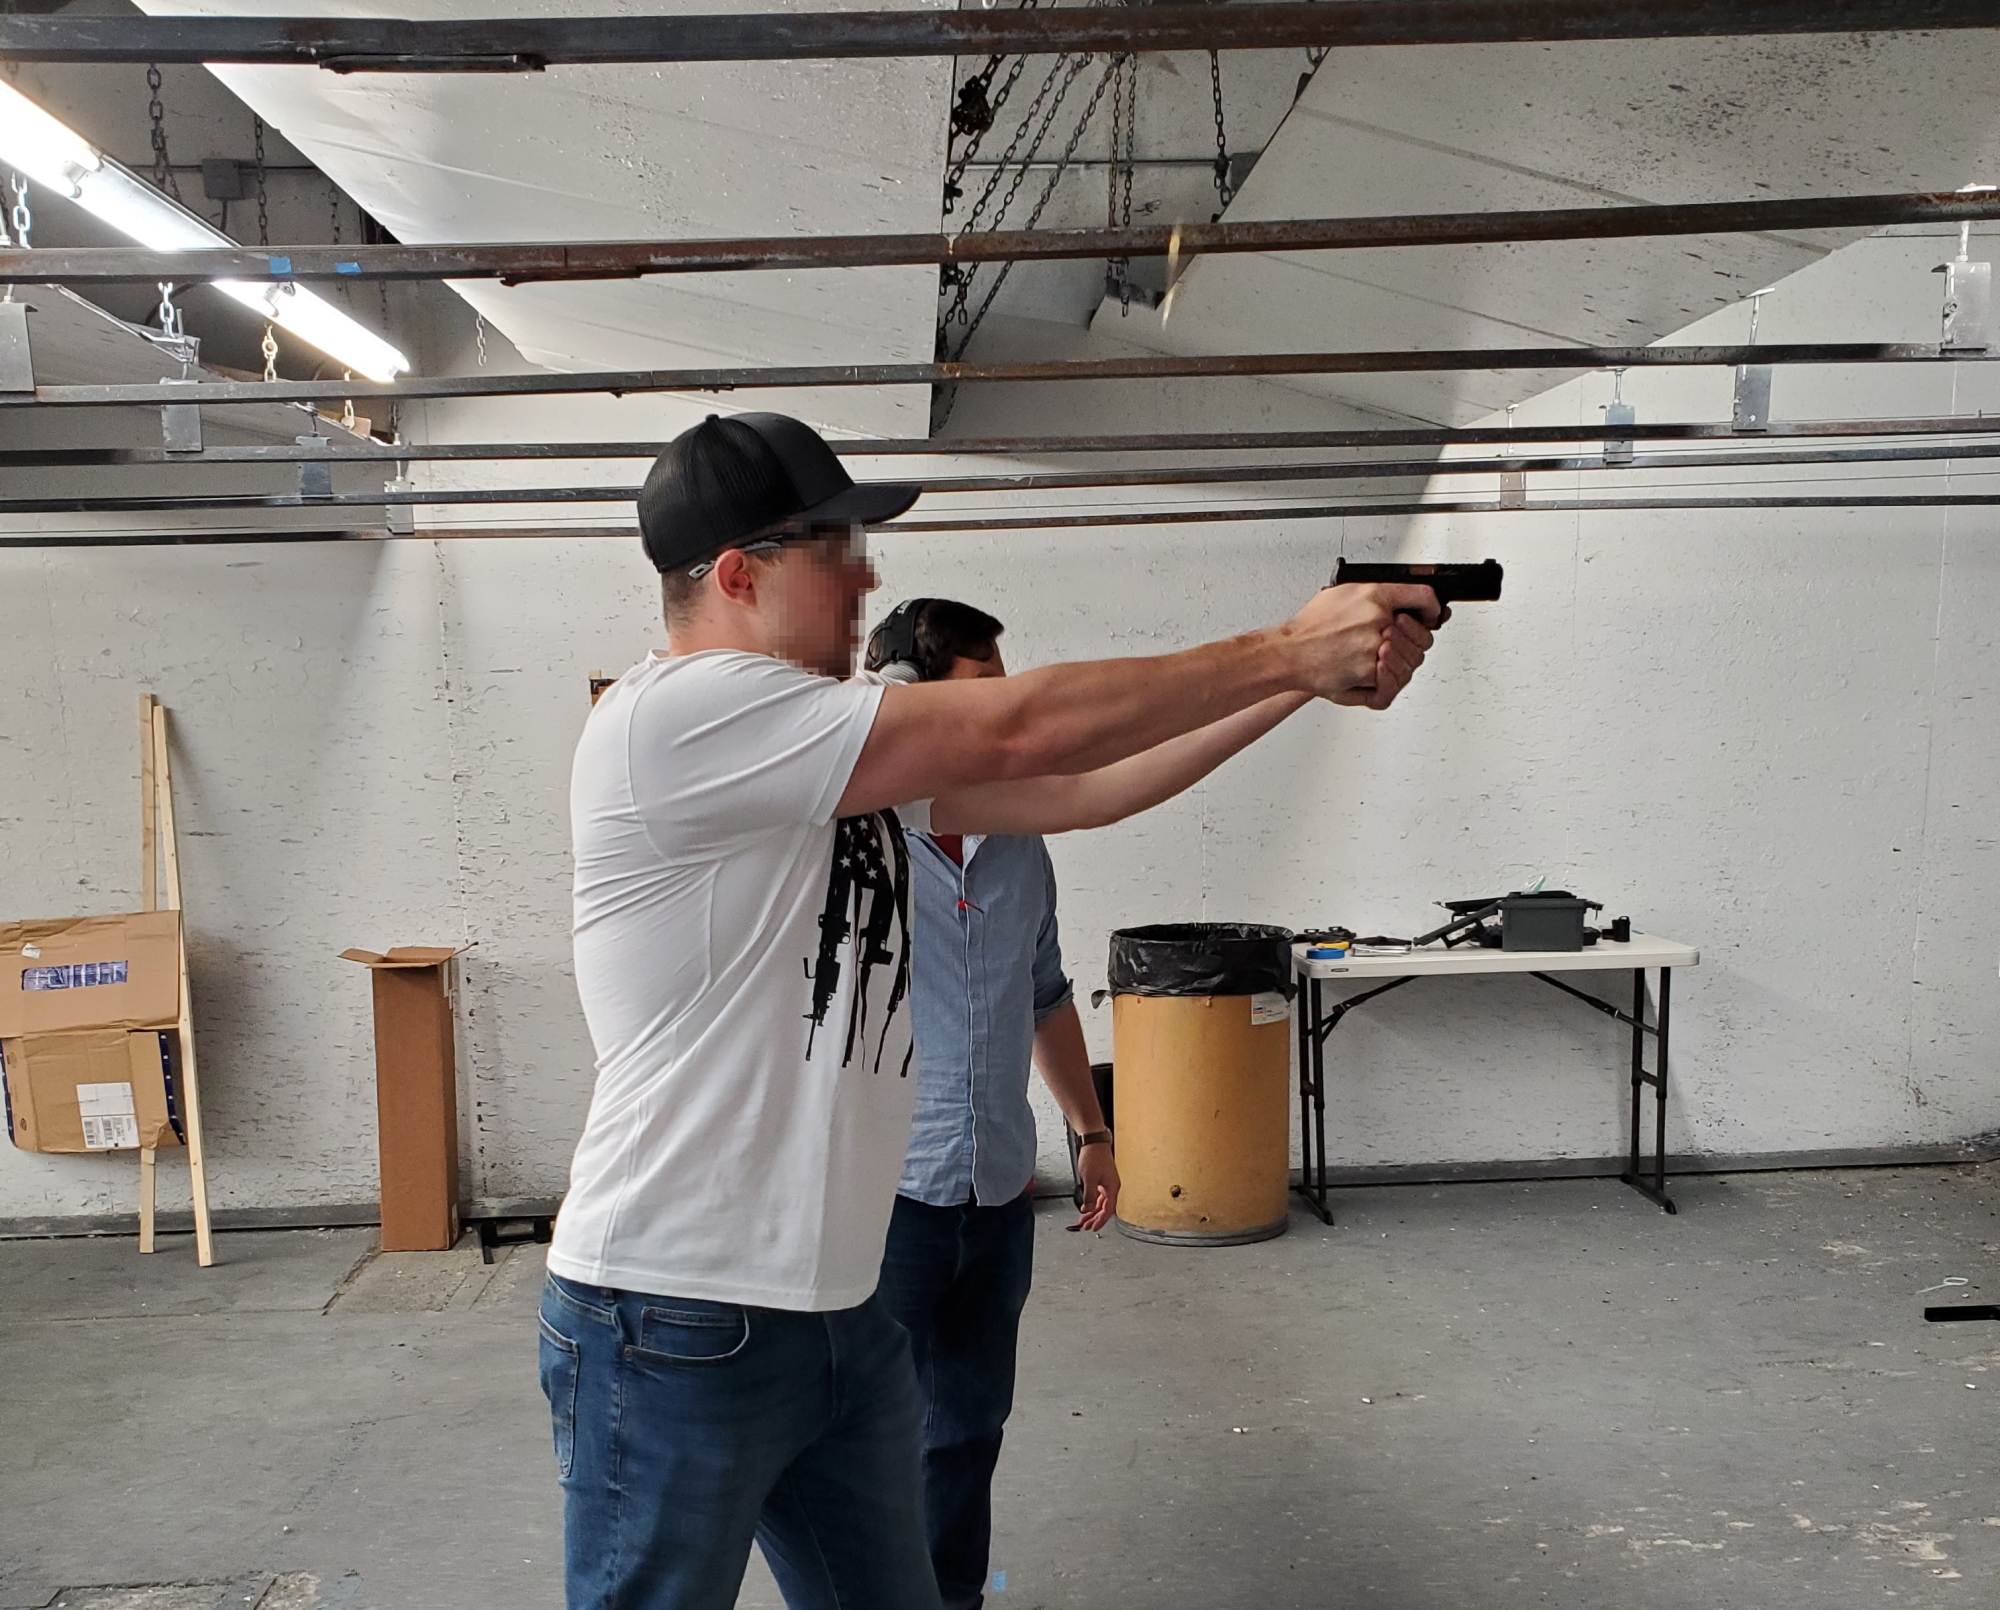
(896, 643)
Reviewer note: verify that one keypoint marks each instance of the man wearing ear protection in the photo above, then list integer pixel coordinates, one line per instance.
(987, 990)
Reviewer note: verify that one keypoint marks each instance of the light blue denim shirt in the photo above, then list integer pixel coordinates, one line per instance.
(986, 972)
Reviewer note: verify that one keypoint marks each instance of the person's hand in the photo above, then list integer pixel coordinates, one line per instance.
(1098, 1170)
(1361, 643)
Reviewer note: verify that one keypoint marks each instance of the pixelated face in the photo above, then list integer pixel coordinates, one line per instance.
(812, 592)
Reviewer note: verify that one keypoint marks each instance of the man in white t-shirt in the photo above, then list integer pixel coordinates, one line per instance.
(716, 1363)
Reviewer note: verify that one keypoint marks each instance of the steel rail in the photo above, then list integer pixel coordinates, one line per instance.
(1411, 436)
(1247, 474)
(1357, 469)
(376, 452)
(515, 264)
(370, 451)
(812, 376)
(529, 44)
(1333, 511)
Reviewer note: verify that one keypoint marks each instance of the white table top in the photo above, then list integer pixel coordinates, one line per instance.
(1642, 950)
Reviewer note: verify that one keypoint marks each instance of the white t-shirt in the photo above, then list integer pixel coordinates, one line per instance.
(753, 1102)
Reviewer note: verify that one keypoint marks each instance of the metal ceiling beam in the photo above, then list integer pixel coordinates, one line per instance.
(528, 44)
(363, 451)
(1353, 469)
(518, 264)
(1247, 474)
(1270, 511)
(622, 382)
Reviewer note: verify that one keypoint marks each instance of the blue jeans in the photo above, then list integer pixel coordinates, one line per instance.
(957, 1278)
(684, 1429)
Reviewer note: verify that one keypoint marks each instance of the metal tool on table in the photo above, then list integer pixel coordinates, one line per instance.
(1534, 919)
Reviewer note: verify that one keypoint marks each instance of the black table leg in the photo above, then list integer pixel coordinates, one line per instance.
(1315, 1180)
(1319, 1113)
(1307, 1022)
(1654, 1189)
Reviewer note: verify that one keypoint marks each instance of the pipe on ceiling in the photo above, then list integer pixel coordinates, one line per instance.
(526, 263)
(528, 44)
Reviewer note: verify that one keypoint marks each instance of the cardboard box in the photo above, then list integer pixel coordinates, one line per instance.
(98, 1090)
(416, 1095)
(59, 974)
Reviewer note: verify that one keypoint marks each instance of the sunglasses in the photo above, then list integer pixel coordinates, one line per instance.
(855, 538)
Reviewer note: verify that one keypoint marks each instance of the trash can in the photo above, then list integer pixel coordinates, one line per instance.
(1202, 1043)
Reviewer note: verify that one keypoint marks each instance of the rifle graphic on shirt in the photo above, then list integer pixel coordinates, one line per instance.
(861, 866)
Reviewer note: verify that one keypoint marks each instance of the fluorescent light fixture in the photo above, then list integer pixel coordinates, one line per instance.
(59, 158)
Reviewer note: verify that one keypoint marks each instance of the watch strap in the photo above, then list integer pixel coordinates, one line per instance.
(1094, 1137)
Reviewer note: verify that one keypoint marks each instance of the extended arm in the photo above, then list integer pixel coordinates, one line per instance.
(1349, 644)
(1064, 1063)
(1111, 793)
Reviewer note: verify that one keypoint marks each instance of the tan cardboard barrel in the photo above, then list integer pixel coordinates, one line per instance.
(1204, 1118)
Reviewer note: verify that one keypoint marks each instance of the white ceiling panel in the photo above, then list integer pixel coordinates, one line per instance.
(643, 152)
(1501, 127)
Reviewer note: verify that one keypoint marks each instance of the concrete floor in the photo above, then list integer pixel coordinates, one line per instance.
(1491, 1396)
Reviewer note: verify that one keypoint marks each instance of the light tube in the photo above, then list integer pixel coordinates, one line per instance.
(56, 156)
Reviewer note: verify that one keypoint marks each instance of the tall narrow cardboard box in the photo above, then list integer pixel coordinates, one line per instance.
(416, 1095)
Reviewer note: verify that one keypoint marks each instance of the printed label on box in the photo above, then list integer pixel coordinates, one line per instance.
(1268, 1006)
(76, 975)
(109, 1118)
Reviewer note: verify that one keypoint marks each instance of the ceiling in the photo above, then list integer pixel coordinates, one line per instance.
(856, 147)
(644, 152)
(1476, 128)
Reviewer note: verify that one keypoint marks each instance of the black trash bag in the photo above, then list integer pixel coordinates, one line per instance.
(1201, 958)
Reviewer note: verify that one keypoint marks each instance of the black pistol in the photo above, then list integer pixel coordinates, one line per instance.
(1453, 584)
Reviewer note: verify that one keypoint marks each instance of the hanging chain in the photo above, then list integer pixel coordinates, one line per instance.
(263, 201)
(270, 350)
(1117, 136)
(1048, 191)
(974, 114)
(963, 288)
(21, 221)
(479, 331)
(347, 422)
(170, 316)
(1124, 120)
(1222, 190)
(335, 203)
(163, 168)
(1020, 134)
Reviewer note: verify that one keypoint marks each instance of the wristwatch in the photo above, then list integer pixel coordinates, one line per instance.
(1096, 1137)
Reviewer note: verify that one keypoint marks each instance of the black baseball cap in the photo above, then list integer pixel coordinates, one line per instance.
(730, 478)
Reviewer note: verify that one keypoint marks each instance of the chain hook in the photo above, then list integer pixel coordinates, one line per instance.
(270, 350)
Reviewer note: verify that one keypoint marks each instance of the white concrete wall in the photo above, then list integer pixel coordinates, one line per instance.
(1770, 734)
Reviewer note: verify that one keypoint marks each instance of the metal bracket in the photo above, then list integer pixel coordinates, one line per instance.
(17, 362)
(1752, 410)
(1513, 489)
(180, 423)
(401, 517)
(1618, 449)
(1968, 306)
(315, 480)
